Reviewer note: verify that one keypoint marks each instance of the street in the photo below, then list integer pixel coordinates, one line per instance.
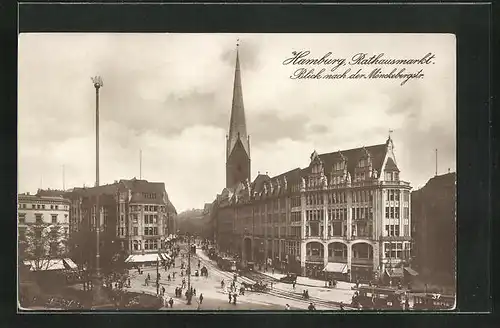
(216, 298)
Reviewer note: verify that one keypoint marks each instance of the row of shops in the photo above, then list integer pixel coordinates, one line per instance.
(359, 273)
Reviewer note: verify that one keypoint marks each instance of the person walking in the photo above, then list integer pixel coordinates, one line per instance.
(311, 307)
(171, 302)
(234, 298)
(293, 285)
(168, 277)
(230, 298)
(201, 298)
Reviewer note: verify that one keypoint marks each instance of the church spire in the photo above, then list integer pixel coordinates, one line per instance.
(237, 124)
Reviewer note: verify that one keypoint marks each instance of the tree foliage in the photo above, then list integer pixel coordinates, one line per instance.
(42, 243)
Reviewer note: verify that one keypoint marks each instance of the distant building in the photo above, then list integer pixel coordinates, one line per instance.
(347, 213)
(434, 228)
(50, 210)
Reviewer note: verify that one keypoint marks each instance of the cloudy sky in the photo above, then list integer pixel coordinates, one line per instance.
(170, 95)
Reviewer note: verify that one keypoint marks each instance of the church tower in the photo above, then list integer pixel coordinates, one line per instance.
(238, 142)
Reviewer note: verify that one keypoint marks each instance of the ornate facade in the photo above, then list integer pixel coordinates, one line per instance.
(347, 213)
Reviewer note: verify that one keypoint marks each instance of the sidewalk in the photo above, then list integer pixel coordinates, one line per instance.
(305, 281)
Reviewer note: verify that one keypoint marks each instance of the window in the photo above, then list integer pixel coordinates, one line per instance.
(22, 218)
(136, 245)
(135, 217)
(146, 219)
(51, 207)
(54, 218)
(136, 231)
(38, 219)
(43, 207)
(387, 212)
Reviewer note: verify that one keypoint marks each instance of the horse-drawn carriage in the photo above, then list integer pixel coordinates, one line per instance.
(257, 287)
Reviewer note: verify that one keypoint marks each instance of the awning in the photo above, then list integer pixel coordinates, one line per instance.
(165, 256)
(45, 265)
(411, 271)
(336, 267)
(395, 272)
(143, 258)
(69, 264)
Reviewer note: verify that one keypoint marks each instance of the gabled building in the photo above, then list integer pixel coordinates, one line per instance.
(347, 213)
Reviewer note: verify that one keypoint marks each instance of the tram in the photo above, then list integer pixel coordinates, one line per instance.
(227, 264)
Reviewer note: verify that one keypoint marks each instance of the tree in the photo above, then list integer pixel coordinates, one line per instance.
(41, 244)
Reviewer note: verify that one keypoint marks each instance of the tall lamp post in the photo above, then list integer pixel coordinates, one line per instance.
(189, 269)
(98, 297)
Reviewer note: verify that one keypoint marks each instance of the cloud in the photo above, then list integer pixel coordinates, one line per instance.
(271, 126)
(169, 95)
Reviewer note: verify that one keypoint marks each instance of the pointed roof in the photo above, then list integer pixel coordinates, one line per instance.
(237, 124)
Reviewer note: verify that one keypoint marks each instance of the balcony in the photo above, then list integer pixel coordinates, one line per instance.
(362, 236)
(395, 183)
(395, 238)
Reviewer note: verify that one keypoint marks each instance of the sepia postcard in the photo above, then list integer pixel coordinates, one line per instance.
(207, 172)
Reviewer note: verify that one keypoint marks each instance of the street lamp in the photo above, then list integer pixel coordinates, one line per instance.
(97, 81)
(189, 270)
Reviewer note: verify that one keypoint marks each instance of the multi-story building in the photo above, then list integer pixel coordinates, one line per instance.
(347, 213)
(137, 213)
(136, 217)
(46, 210)
(433, 210)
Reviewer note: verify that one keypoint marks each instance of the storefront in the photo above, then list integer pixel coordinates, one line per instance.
(362, 273)
(315, 270)
(336, 271)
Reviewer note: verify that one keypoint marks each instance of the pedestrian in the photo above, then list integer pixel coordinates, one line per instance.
(149, 277)
(230, 298)
(171, 302)
(146, 282)
(311, 307)
(201, 298)
(194, 291)
(234, 298)
(293, 285)
(168, 277)
(287, 307)
(273, 270)
(341, 306)
(163, 290)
